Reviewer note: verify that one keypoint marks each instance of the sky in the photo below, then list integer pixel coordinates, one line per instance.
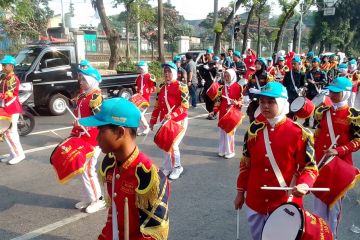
(190, 9)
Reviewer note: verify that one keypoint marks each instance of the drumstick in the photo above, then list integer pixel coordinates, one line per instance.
(126, 219)
(56, 134)
(238, 224)
(72, 114)
(205, 108)
(290, 188)
(324, 156)
(233, 100)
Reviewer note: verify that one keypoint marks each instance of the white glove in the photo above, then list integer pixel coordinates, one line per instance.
(254, 90)
(303, 188)
(246, 99)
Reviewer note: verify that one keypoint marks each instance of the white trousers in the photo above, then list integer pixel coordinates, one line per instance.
(226, 142)
(331, 215)
(256, 223)
(12, 137)
(352, 99)
(143, 122)
(90, 180)
(172, 159)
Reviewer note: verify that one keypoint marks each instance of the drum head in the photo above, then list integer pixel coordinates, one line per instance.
(297, 104)
(285, 223)
(318, 99)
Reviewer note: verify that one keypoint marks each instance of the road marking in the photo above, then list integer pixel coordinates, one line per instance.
(51, 227)
(50, 130)
(31, 150)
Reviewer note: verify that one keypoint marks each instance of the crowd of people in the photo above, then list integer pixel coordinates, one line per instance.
(278, 150)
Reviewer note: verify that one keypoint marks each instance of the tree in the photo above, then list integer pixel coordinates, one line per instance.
(261, 8)
(288, 10)
(306, 8)
(112, 35)
(161, 31)
(246, 27)
(223, 24)
(25, 18)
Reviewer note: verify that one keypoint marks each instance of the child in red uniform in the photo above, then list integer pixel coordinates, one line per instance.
(88, 103)
(128, 173)
(345, 124)
(11, 104)
(292, 149)
(172, 103)
(231, 94)
(144, 86)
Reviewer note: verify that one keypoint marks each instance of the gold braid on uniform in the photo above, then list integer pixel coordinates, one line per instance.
(245, 159)
(217, 100)
(355, 124)
(11, 85)
(254, 128)
(184, 95)
(95, 102)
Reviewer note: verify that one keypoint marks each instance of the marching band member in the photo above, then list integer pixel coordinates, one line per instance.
(325, 64)
(344, 122)
(257, 80)
(294, 81)
(88, 103)
(278, 72)
(354, 76)
(308, 61)
(10, 102)
(231, 94)
(239, 65)
(269, 63)
(181, 74)
(268, 161)
(172, 103)
(333, 66)
(316, 80)
(144, 86)
(342, 70)
(128, 173)
(84, 64)
(250, 62)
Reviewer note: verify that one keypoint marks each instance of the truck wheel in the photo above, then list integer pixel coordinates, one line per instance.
(26, 123)
(125, 93)
(57, 104)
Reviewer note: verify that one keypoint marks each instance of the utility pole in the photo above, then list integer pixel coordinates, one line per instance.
(138, 36)
(216, 6)
(233, 29)
(300, 24)
(62, 14)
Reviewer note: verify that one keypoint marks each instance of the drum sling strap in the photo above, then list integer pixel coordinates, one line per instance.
(115, 226)
(166, 100)
(271, 157)
(257, 82)
(141, 84)
(293, 82)
(331, 127)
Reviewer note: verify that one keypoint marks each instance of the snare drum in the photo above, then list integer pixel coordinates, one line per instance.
(167, 134)
(70, 157)
(231, 120)
(139, 101)
(290, 222)
(337, 175)
(322, 99)
(213, 91)
(302, 107)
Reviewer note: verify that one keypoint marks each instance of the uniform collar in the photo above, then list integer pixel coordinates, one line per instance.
(133, 156)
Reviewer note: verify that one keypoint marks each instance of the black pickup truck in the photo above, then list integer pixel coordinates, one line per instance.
(51, 70)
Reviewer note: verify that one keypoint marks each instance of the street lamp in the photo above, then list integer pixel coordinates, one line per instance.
(300, 25)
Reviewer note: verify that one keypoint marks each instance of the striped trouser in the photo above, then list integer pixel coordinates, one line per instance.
(12, 137)
(91, 184)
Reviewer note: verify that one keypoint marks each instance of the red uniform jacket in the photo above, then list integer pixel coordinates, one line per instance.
(126, 183)
(221, 103)
(86, 106)
(10, 94)
(346, 124)
(293, 150)
(354, 76)
(145, 86)
(250, 64)
(177, 97)
(279, 72)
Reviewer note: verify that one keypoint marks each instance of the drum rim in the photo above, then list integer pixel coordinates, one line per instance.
(318, 97)
(302, 227)
(300, 97)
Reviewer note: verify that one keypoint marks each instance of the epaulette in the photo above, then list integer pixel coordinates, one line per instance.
(354, 116)
(161, 86)
(148, 185)
(254, 128)
(306, 133)
(319, 112)
(107, 163)
(183, 87)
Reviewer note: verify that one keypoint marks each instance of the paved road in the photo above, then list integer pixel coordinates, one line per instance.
(32, 201)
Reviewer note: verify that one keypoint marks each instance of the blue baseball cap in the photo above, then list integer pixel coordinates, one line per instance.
(340, 84)
(310, 54)
(216, 59)
(342, 66)
(274, 89)
(141, 64)
(92, 72)
(296, 59)
(209, 51)
(84, 62)
(8, 60)
(316, 59)
(269, 59)
(281, 59)
(116, 111)
(177, 58)
(353, 62)
(170, 65)
(261, 60)
(237, 54)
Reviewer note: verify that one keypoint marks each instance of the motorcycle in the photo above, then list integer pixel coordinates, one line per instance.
(26, 122)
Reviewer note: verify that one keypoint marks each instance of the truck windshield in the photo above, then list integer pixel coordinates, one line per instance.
(26, 57)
